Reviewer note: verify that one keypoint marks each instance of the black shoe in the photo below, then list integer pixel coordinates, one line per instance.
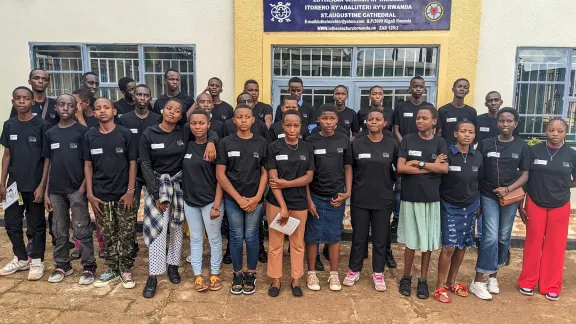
(274, 291)
(227, 258)
(318, 266)
(71, 245)
(422, 291)
(325, 252)
(150, 288)
(237, 282)
(394, 226)
(406, 285)
(263, 257)
(249, 285)
(296, 291)
(390, 262)
(173, 274)
(135, 249)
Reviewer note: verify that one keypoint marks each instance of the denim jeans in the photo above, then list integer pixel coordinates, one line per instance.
(243, 226)
(497, 222)
(198, 219)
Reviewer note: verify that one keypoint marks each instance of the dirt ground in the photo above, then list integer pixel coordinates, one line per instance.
(23, 301)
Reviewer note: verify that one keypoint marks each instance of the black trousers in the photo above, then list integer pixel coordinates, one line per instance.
(36, 222)
(362, 220)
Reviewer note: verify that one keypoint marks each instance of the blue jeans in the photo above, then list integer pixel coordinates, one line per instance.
(198, 219)
(243, 226)
(497, 222)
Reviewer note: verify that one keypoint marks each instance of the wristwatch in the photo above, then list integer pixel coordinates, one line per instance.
(421, 165)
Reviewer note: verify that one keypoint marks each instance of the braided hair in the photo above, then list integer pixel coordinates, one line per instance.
(559, 119)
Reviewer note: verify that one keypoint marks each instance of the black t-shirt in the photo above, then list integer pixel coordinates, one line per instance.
(511, 158)
(385, 132)
(331, 154)
(339, 129)
(198, 176)
(110, 155)
(165, 151)
(258, 127)
(421, 187)
(388, 115)
(550, 178)
(487, 127)
(137, 125)
(123, 107)
(460, 185)
(291, 164)
(261, 109)
(276, 132)
(51, 115)
(222, 112)
(92, 121)
(159, 104)
(449, 117)
(63, 146)
(405, 116)
(219, 128)
(25, 141)
(374, 172)
(306, 110)
(348, 120)
(243, 159)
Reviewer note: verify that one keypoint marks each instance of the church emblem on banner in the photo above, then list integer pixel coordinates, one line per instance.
(281, 12)
(434, 11)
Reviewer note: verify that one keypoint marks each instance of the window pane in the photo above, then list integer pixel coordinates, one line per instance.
(311, 61)
(572, 91)
(113, 94)
(113, 62)
(63, 63)
(158, 59)
(396, 62)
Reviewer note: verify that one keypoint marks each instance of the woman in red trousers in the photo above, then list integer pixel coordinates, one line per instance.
(547, 212)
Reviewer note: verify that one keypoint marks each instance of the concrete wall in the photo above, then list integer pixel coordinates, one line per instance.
(539, 23)
(200, 22)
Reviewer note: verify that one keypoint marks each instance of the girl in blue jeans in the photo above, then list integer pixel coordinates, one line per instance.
(505, 169)
(240, 171)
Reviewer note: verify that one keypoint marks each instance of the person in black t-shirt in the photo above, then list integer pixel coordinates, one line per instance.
(308, 112)
(547, 213)
(506, 164)
(91, 81)
(327, 194)
(451, 114)
(406, 111)
(376, 97)
(372, 198)
(258, 127)
(24, 167)
(222, 110)
(110, 174)
(85, 114)
(125, 105)
(172, 80)
(261, 110)
(421, 161)
(241, 173)
(347, 117)
(66, 191)
(276, 130)
(204, 103)
(458, 207)
(39, 79)
(487, 124)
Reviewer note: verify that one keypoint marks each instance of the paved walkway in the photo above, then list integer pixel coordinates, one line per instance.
(22, 301)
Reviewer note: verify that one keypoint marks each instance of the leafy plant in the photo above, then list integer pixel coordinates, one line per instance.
(533, 141)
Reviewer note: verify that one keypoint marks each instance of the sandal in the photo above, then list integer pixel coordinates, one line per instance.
(441, 295)
(215, 283)
(459, 290)
(199, 284)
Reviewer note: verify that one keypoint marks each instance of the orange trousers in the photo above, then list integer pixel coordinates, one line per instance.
(276, 244)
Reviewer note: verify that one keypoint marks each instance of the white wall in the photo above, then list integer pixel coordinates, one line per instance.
(507, 25)
(208, 26)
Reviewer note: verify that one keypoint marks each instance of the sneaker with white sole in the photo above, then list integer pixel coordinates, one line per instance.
(106, 278)
(14, 266)
(351, 278)
(59, 274)
(188, 259)
(492, 284)
(334, 282)
(527, 291)
(36, 270)
(480, 289)
(87, 277)
(127, 281)
(379, 283)
(312, 281)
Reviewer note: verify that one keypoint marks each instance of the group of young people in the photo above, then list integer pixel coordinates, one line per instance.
(200, 160)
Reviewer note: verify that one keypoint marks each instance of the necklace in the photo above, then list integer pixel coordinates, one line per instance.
(552, 155)
(290, 146)
(465, 156)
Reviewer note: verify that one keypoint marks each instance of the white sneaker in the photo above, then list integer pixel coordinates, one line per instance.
(15, 265)
(480, 290)
(312, 282)
(334, 282)
(492, 284)
(351, 278)
(36, 270)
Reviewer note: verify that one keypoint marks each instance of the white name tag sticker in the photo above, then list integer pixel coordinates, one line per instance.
(96, 151)
(281, 157)
(408, 114)
(13, 137)
(364, 156)
(281, 135)
(454, 168)
(320, 151)
(415, 153)
(55, 145)
(484, 129)
(451, 120)
(34, 114)
(134, 130)
(494, 154)
(541, 162)
(157, 146)
(233, 153)
(187, 156)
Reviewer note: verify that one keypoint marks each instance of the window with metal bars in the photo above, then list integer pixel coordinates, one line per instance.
(144, 63)
(545, 88)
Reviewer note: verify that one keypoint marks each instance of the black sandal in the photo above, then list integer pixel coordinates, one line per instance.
(274, 291)
(296, 290)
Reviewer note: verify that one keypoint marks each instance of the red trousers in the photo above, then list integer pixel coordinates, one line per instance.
(546, 236)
